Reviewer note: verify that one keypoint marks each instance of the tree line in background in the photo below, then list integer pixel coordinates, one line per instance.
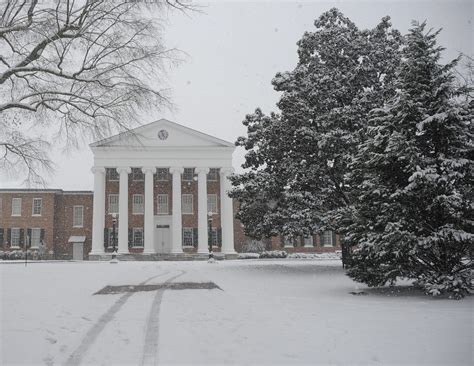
(374, 139)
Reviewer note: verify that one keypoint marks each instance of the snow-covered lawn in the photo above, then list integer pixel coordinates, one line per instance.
(268, 312)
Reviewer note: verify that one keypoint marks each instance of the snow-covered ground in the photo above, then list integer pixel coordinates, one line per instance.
(267, 312)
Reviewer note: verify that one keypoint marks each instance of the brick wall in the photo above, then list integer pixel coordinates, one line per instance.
(27, 220)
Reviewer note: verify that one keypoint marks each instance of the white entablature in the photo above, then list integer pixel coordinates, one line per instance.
(162, 144)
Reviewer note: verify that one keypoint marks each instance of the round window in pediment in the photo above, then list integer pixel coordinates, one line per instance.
(163, 134)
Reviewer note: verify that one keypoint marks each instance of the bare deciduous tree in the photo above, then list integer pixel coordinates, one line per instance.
(82, 67)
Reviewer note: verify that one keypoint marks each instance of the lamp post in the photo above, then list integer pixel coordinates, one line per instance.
(114, 239)
(209, 235)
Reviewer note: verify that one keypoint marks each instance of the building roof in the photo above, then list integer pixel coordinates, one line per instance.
(153, 127)
(41, 190)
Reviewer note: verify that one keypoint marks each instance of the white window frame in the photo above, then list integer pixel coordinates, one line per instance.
(324, 238)
(161, 178)
(213, 175)
(188, 230)
(12, 245)
(136, 230)
(187, 204)
(138, 208)
(109, 210)
(288, 241)
(16, 199)
(40, 206)
(75, 217)
(210, 203)
(185, 176)
(162, 211)
(308, 241)
(38, 231)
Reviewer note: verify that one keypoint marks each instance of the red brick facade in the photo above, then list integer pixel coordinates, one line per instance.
(56, 217)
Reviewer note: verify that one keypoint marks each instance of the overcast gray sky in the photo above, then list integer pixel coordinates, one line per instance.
(235, 48)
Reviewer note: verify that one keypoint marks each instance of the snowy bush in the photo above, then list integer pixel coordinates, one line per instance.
(274, 254)
(248, 256)
(314, 255)
(253, 246)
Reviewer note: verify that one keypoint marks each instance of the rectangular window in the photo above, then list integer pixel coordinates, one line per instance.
(37, 205)
(138, 204)
(138, 237)
(112, 174)
(113, 203)
(288, 241)
(188, 174)
(213, 175)
(163, 174)
(15, 237)
(137, 174)
(212, 203)
(214, 236)
(187, 204)
(35, 237)
(308, 241)
(16, 206)
(326, 238)
(78, 216)
(188, 237)
(111, 237)
(162, 203)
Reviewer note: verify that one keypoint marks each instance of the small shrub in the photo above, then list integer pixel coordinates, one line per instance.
(274, 254)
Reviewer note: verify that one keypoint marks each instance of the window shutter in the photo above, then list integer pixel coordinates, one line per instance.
(219, 237)
(106, 237)
(28, 244)
(9, 237)
(1, 237)
(22, 237)
(195, 237)
(130, 238)
(333, 238)
(42, 232)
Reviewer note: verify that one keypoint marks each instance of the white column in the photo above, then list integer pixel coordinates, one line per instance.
(123, 210)
(227, 214)
(98, 222)
(177, 222)
(149, 217)
(202, 210)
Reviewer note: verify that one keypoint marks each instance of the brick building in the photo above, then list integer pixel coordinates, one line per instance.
(162, 185)
(29, 216)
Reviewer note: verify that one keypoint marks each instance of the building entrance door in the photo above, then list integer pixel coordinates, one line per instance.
(162, 239)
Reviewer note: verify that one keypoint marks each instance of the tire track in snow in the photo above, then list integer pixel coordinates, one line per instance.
(89, 339)
(150, 348)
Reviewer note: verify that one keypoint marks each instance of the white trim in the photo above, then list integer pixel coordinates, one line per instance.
(183, 212)
(73, 216)
(31, 238)
(16, 200)
(33, 206)
(216, 212)
(158, 204)
(108, 203)
(162, 121)
(142, 204)
(11, 237)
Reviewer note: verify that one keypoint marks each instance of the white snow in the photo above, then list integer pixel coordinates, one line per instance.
(268, 312)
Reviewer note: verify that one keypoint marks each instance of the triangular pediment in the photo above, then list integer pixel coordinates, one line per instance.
(162, 133)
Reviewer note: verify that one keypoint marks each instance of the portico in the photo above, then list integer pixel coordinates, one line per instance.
(137, 174)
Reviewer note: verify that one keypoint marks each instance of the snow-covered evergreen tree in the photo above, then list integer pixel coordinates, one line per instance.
(414, 208)
(297, 160)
